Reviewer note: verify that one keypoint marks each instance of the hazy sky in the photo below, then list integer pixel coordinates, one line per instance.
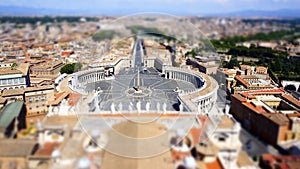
(196, 7)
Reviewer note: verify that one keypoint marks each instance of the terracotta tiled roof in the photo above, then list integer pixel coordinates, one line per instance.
(241, 80)
(264, 91)
(74, 98)
(47, 149)
(195, 133)
(258, 109)
(178, 156)
(214, 165)
(292, 100)
(59, 97)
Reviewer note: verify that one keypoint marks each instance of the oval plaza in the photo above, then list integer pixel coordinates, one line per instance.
(144, 79)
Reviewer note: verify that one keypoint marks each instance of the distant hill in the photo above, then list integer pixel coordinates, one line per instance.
(19, 11)
(286, 13)
(27, 11)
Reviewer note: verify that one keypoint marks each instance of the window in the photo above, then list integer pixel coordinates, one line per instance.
(221, 139)
(36, 98)
(21, 80)
(16, 81)
(4, 82)
(30, 100)
(42, 97)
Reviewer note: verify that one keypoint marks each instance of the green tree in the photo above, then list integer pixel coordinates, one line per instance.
(104, 34)
(232, 63)
(71, 68)
(191, 53)
(14, 65)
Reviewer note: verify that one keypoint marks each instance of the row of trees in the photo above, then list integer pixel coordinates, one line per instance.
(276, 35)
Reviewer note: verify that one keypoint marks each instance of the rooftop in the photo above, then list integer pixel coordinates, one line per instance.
(48, 65)
(12, 92)
(2, 100)
(38, 88)
(243, 159)
(226, 122)
(47, 150)
(23, 67)
(16, 147)
(139, 130)
(278, 118)
(129, 132)
(291, 161)
(9, 71)
(163, 160)
(10, 112)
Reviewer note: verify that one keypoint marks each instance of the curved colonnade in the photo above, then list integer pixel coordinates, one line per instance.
(204, 97)
(82, 78)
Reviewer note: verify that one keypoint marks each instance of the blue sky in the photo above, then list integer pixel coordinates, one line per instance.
(196, 7)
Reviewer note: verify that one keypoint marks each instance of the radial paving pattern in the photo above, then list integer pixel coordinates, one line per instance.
(158, 90)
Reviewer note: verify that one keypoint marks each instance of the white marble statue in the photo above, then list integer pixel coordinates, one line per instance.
(147, 106)
(139, 106)
(130, 108)
(158, 107)
(181, 108)
(120, 107)
(112, 108)
(164, 108)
